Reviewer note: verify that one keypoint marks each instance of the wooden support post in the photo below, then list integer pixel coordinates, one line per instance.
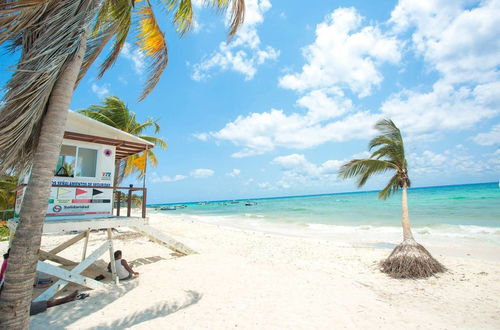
(72, 276)
(112, 256)
(129, 202)
(69, 276)
(144, 195)
(85, 244)
(67, 244)
(119, 202)
(44, 255)
(115, 183)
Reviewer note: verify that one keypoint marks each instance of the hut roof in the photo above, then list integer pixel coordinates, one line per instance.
(83, 128)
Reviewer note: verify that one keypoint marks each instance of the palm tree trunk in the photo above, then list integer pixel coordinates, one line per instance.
(16, 296)
(406, 218)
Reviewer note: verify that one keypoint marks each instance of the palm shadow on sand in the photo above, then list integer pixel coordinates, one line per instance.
(159, 310)
(62, 316)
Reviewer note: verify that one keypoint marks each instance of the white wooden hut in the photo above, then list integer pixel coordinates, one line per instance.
(83, 195)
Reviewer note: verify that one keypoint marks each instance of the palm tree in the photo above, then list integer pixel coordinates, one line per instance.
(58, 42)
(409, 259)
(114, 112)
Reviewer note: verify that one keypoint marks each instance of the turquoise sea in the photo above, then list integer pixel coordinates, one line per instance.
(460, 212)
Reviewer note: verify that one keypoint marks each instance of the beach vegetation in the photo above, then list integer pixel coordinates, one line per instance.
(7, 194)
(409, 259)
(4, 232)
(58, 41)
(115, 113)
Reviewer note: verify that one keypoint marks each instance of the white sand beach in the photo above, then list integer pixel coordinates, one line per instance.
(252, 280)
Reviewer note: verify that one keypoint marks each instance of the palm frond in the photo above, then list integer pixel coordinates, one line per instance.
(120, 19)
(151, 157)
(42, 61)
(391, 187)
(99, 116)
(378, 141)
(389, 155)
(18, 16)
(390, 152)
(237, 15)
(364, 168)
(183, 14)
(152, 42)
(138, 129)
(157, 141)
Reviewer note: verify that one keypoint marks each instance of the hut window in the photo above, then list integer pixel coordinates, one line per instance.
(66, 161)
(87, 162)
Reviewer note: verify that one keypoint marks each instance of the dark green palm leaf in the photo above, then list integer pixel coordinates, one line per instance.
(115, 113)
(389, 155)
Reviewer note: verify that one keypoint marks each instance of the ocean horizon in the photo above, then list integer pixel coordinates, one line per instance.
(313, 195)
(466, 210)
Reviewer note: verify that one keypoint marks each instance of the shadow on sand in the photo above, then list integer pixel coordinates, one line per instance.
(145, 261)
(61, 316)
(159, 310)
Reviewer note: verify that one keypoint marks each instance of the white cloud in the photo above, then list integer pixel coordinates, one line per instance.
(461, 43)
(155, 178)
(322, 106)
(459, 40)
(202, 173)
(444, 108)
(259, 133)
(344, 54)
(265, 185)
(489, 138)
(202, 136)
(135, 55)
(347, 54)
(297, 166)
(100, 91)
(283, 184)
(245, 53)
(249, 181)
(235, 172)
(454, 160)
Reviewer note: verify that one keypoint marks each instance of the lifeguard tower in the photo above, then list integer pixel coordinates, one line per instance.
(83, 197)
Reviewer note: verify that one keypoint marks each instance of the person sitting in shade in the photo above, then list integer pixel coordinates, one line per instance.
(123, 270)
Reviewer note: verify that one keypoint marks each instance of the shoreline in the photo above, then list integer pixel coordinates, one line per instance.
(475, 242)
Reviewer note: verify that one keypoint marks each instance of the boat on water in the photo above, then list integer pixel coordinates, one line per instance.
(250, 203)
(172, 207)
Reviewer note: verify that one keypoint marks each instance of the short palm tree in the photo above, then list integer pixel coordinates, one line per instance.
(409, 259)
(58, 41)
(115, 113)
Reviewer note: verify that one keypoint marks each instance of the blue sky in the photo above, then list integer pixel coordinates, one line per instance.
(297, 92)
